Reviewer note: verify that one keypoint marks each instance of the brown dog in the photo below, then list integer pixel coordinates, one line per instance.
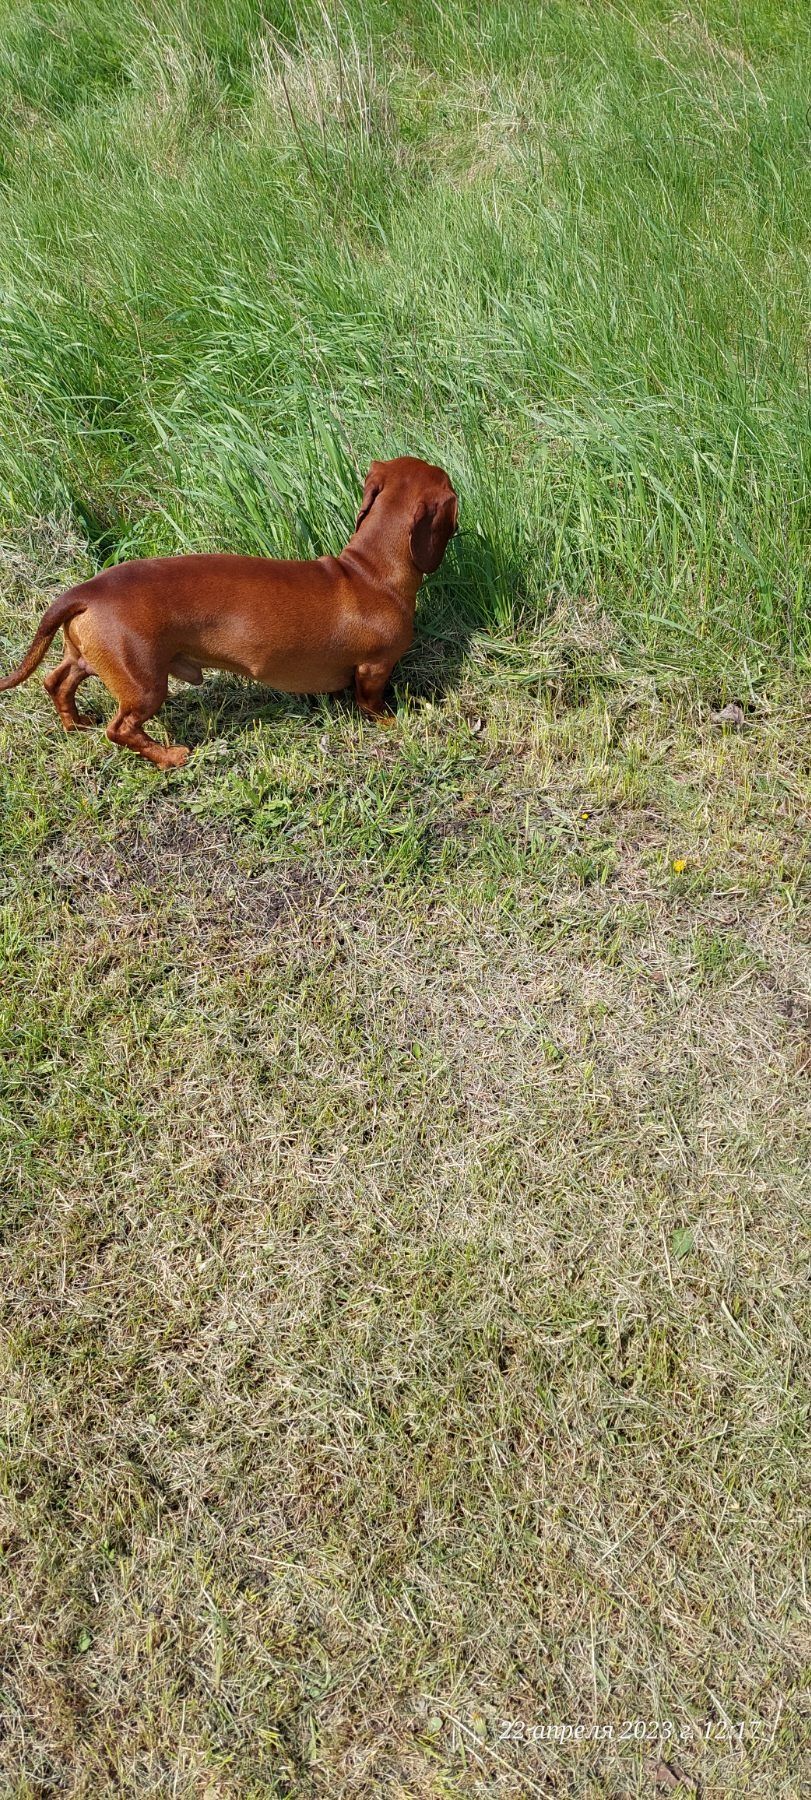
(303, 627)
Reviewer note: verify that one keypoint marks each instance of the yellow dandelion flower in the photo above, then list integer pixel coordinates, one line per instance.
(679, 865)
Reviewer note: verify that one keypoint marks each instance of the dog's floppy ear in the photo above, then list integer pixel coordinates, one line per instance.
(433, 524)
(372, 487)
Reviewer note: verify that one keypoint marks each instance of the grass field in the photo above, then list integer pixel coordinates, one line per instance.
(405, 1137)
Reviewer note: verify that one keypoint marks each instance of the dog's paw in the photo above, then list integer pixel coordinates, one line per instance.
(177, 756)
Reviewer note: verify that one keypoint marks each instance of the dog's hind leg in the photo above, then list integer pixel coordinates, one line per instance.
(139, 700)
(127, 730)
(135, 672)
(140, 689)
(62, 683)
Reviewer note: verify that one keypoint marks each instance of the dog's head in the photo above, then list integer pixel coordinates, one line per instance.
(422, 494)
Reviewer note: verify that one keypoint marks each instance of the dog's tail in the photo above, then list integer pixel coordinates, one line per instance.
(60, 612)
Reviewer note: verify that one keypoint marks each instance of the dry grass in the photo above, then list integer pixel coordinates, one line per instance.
(405, 1269)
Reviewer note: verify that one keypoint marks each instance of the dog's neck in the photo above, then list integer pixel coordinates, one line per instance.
(380, 551)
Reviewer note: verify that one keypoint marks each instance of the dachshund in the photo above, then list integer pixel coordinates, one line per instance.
(302, 627)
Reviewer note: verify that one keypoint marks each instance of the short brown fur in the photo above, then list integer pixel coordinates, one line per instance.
(302, 627)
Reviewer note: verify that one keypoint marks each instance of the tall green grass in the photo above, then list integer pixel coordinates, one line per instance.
(561, 248)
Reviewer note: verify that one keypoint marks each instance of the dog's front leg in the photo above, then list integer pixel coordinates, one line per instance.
(371, 680)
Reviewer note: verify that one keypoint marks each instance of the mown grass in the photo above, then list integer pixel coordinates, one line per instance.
(406, 1174)
(405, 1137)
